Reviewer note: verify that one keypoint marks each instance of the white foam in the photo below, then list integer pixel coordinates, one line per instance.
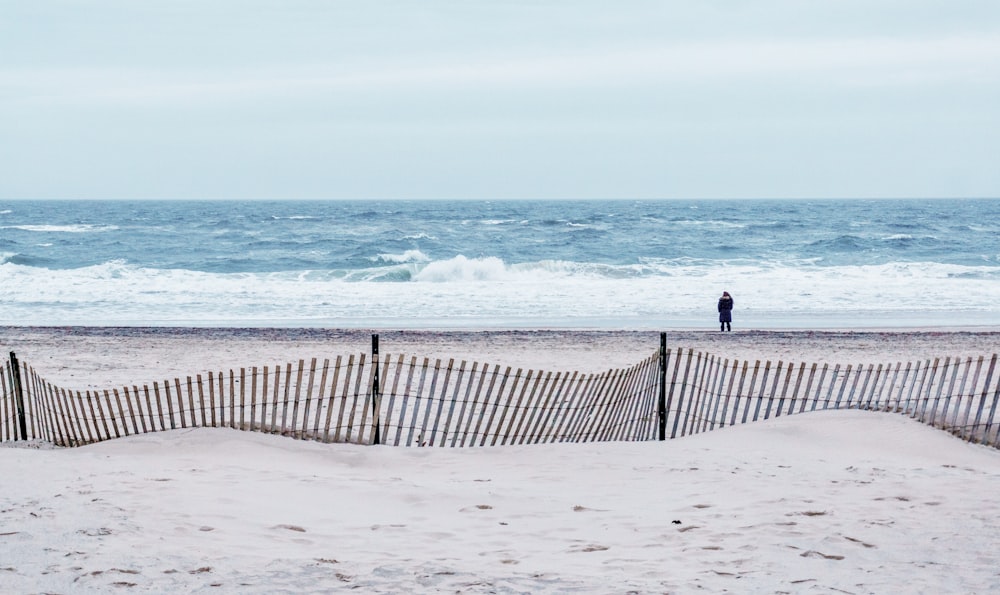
(460, 269)
(408, 256)
(488, 292)
(78, 228)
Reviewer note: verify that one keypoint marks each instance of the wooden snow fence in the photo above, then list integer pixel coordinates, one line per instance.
(409, 401)
(954, 394)
(421, 403)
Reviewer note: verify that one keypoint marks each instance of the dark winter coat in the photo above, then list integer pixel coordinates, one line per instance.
(725, 309)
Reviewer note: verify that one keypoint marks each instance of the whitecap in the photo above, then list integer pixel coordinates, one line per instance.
(461, 268)
(408, 256)
(78, 228)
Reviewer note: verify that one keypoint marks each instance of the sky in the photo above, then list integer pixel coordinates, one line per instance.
(502, 99)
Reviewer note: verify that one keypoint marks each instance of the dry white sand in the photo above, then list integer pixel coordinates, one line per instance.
(824, 502)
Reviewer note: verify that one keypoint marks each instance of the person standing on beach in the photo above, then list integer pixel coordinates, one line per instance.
(725, 312)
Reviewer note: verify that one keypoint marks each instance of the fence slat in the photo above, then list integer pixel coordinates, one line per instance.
(673, 381)
(572, 405)
(5, 403)
(629, 398)
(387, 413)
(121, 412)
(484, 404)
(734, 371)
(149, 407)
(864, 387)
(201, 398)
(72, 420)
(987, 439)
(843, 384)
(711, 397)
(411, 367)
(273, 402)
(698, 395)
(286, 396)
(713, 417)
(680, 394)
(615, 403)
(963, 427)
(417, 402)
(784, 389)
(253, 399)
(946, 419)
(643, 406)
(982, 399)
(442, 398)
(760, 393)
(330, 400)
(60, 429)
(920, 384)
(582, 414)
(170, 406)
(877, 385)
(359, 375)
(944, 379)
(606, 404)
(926, 390)
(243, 398)
(692, 394)
(490, 428)
(545, 415)
(47, 429)
(304, 432)
(805, 393)
(458, 433)
(211, 400)
(739, 391)
(293, 431)
(508, 403)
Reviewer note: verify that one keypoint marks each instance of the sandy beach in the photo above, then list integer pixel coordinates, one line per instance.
(829, 501)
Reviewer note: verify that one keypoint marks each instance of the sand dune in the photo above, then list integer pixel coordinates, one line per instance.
(853, 502)
(831, 501)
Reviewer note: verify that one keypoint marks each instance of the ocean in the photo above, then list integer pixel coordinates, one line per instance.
(557, 264)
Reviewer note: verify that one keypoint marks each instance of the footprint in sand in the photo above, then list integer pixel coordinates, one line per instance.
(815, 554)
(588, 548)
(859, 542)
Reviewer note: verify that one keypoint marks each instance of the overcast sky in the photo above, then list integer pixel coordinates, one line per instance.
(499, 98)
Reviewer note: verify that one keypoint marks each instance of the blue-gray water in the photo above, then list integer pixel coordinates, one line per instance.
(561, 264)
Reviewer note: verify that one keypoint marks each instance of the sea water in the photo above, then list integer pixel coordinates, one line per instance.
(621, 264)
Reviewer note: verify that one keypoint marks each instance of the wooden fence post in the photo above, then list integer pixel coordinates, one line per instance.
(377, 438)
(661, 404)
(17, 386)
